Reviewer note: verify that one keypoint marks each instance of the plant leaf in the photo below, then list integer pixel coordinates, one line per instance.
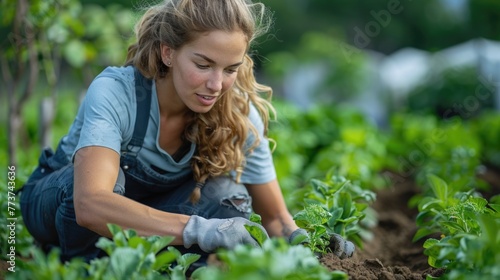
(187, 259)
(421, 232)
(163, 259)
(430, 242)
(439, 187)
(161, 243)
(257, 233)
(346, 203)
(124, 262)
(114, 229)
(452, 227)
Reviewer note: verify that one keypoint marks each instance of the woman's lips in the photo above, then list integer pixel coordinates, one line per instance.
(206, 100)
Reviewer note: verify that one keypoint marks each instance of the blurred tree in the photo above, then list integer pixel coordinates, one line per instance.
(485, 18)
(19, 54)
(46, 36)
(106, 35)
(124, 3)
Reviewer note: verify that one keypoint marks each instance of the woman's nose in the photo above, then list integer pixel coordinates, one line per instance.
(214, 83)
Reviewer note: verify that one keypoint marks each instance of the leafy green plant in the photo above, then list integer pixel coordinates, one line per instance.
(129, 257)
(421, 144)
(359, 154)
(134, 256)
(449, 211)
(468, 256)
(49, 266)
(335, 137)
(314, 218)
(468, 225)
(334, 206)
(276, 260)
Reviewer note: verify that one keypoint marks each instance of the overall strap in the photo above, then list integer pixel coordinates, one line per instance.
(143, 99)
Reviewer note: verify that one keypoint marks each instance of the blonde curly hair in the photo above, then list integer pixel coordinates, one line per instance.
(221, 133)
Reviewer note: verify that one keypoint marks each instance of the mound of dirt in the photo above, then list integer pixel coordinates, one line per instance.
(391, 254)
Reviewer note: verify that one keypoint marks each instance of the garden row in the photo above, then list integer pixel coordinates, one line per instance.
(330, 163)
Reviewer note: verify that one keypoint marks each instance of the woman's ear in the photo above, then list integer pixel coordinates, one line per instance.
(166, 54)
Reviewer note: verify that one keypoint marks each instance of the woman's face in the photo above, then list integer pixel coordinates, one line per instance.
(204, 69)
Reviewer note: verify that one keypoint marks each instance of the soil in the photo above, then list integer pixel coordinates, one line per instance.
(391, 254)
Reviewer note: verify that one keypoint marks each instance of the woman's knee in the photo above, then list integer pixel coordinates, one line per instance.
(40, 201)
(224, 197)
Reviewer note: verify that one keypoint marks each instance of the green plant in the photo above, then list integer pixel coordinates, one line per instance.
(449, 211)
(468, 225)
(335, 137)
(359, 153)
(468, 256)
(314, 218)
(334, 206)
(134, 256)
(129, 256)
(276, 260)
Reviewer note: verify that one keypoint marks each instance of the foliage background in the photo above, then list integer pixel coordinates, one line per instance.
(68, 42)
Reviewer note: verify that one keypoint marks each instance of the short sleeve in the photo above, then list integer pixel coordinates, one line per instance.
(259, 168)
(106, 114)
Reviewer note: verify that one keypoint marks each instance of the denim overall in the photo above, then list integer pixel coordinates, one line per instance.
(47, 198)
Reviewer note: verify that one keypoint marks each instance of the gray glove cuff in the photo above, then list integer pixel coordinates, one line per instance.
(190, 233)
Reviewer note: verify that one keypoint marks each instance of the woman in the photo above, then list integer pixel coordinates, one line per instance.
(172, 144)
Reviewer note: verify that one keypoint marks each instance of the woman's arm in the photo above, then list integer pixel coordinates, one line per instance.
(269, 203)
(96, 172)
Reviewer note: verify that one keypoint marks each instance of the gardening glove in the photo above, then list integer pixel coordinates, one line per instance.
(211, 234)
(341, 247)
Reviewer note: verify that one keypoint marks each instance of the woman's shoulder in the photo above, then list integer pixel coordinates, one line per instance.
(111, 96)
(109, 106)
(113, 83)
(124, 74)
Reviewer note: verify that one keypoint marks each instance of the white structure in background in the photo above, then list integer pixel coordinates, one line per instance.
(391, 78)
(301, 82)
(458, 7)
(402, 71)
(373, 100)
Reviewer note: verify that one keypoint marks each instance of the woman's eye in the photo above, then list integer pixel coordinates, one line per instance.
(201, 66)
(231, 71)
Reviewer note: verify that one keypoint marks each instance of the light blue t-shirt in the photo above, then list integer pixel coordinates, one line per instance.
(107, 116)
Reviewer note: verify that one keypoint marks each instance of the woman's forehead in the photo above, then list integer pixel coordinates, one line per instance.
(219, 46)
